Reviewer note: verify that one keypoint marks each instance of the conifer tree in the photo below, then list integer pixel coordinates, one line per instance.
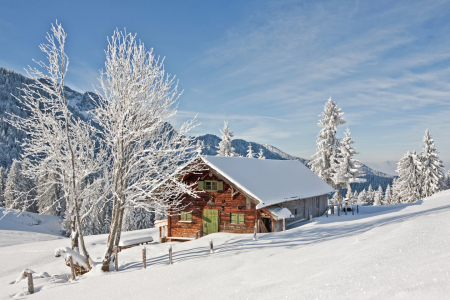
(250, 151)
(395, 192)
(432, 168)
(378, 196)
(324, 162)
(388, 195)
(346, 169)
(409, 170)
(370, 195)
(2, 186)
(224, 148)
(14, 187)
(355, 195)
(447, 180)
(362, 197)
(349, 194)
(261, 154)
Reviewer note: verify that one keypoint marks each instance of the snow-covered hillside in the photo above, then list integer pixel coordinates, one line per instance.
(385, 252)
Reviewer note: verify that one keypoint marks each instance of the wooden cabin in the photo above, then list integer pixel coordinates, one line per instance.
(235, 194)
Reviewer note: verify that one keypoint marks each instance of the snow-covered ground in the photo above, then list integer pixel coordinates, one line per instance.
(387, 252)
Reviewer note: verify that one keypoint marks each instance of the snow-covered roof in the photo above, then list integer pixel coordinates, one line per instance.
(280, 212)
(269, 181)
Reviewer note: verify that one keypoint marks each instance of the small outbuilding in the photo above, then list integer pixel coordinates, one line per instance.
(238, 193)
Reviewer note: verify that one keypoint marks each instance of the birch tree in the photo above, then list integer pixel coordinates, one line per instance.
(137, 102)
(55, 137)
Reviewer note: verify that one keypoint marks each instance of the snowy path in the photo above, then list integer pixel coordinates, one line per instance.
(392, 252)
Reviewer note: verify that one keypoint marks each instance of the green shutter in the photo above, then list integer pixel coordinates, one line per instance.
(183, 216)
(234, 218)
(220, 186)
(241, 218)
(201, 185)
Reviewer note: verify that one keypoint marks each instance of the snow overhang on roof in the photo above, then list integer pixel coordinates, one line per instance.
(269, 181)
(280, 213)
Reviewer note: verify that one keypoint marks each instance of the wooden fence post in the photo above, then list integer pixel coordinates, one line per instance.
(353, 211)
(310, 218)
(357, 209)
(345, 210)
(211, 247)
(339, 212)
(170, 254)
(116, 262)
(144, 258)
(326, 212)
(72, 270)
(30, 283)
(284, 224)
(254, 233)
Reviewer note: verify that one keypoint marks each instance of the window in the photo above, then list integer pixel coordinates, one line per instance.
(237, 218)
(186, 216)
(210, 185)
(295, 213)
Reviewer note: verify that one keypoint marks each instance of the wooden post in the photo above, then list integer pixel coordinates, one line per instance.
(357, 209)
(326, 212)
(160, 234)
(170, 254)
(72, 271)
(144, 258)
(310, 218)
(30, 283)
(284, 224)
(116, 262)
(332, 210)
(353, 211)
(211, 247)
(345, 210)
(254, 234)
(339, 211)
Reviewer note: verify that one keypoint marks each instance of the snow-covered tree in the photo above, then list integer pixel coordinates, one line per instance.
(378, 196)
(137, 102)
(370, 196)
(224, 148)
(432, 168)
(388, 196)
(409, 170)
(55, 136)
(2, 186)
(261, 154)
(324, 161)
(362, 197)
(250, 151)
(14, 188)
(50, 196)
(349, 194)
(355, 195)
(447, 180)
(346, 169)
(395, 191)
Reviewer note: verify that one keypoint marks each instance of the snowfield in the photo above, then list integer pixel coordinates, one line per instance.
(386, 252)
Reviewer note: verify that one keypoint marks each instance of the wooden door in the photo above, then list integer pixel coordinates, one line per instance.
(210, 221)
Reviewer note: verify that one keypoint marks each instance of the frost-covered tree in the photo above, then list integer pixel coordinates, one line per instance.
(50, 196)
(250, 151)
(56, 137)
(261, 154)
(14, 188)
(324, 161)
(355, 195)
(362, 197)
(409, 170)
(2, 186)
(346, 169)
(370, 196)
(137, 102)
(224, 148)
(432, 168)
(378, 196)
(395, 191)
(349, 194)
(388, 196)
(447, 180)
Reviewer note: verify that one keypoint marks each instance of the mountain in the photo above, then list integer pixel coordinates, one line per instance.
(80, 104)
(10, 137)
(387, 167)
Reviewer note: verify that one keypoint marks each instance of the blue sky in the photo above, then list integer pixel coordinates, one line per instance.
(268, 67)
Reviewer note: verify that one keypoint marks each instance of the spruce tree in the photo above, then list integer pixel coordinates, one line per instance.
(370, 195)
(409, 170)
(395, 199)
(388, 195)
(324, 161)
(224, 148)
(378, 196)
(432, 168)
(447, 180)
(14, 188)
(261, 154)
(250, 151)
(362, 197)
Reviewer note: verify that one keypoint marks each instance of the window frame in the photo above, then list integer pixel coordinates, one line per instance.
(186, 214)
(238, 219)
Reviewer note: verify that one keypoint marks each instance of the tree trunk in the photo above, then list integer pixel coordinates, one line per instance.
(80, 233)
(338, 187)
(111, 237)
(119, 228)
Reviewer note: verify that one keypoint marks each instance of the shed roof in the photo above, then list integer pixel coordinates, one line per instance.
(269, 181)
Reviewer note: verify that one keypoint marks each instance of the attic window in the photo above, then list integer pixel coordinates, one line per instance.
(210, 185)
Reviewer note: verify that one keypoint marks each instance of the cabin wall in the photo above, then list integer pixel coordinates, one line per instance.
(217, 200)
(314, 206)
